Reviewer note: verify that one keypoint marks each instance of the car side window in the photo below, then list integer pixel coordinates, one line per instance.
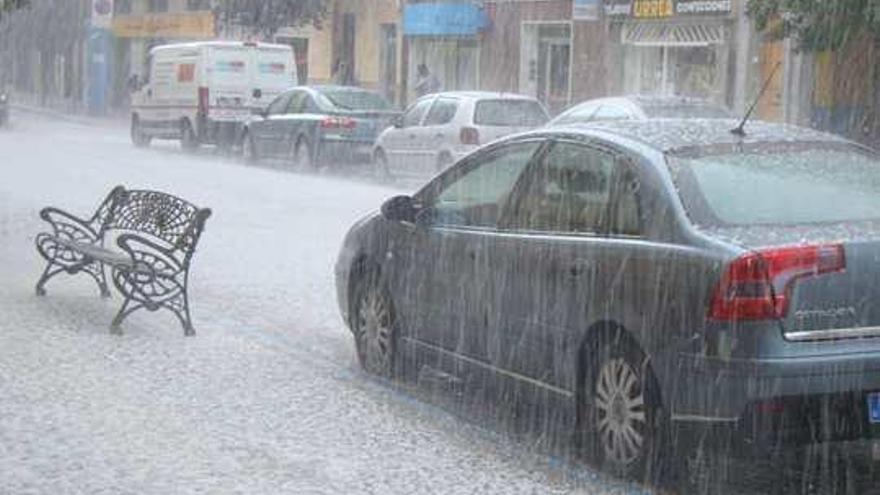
(569, 191)
(475, 193)
(414, 114)
(626, 213)
(297, 102)
(442, 112)
(310, 105)
(278, 105)
(611, 111)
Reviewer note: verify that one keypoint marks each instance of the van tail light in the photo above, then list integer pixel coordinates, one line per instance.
(338, 123)
(204, 100)
(759, 285)
(469, 135)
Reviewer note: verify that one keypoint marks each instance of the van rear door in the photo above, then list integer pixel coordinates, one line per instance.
(274, 72)
(227, 83)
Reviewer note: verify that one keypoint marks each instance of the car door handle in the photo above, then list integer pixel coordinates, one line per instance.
(581, 269)
(412, 136)
(440, 136)
(474, 253)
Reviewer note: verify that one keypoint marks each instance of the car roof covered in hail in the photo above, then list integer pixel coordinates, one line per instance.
(217, 44)
(669, 135)
(484, 95)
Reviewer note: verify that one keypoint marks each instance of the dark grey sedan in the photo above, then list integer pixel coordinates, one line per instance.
(633, 278)
(318, 125)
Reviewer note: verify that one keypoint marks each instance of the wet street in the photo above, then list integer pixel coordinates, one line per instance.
(267, 398)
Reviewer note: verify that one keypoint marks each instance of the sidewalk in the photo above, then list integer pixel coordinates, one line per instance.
(113, 121)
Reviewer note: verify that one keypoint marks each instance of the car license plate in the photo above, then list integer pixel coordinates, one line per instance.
(874, 407)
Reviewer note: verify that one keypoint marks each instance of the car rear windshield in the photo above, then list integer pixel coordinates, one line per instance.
(789, 184)
(510, 113)
(349, 99)
(686, 111)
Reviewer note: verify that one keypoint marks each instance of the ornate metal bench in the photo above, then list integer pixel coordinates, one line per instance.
(155, 235)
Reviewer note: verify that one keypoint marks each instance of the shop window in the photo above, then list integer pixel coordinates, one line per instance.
(198, 4)
(122, 7)
(157, 6)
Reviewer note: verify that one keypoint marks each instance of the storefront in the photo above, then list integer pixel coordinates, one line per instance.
(673, 47)
(443, 36)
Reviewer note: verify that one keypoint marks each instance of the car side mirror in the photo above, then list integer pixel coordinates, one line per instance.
(397, 122)
(259, 112)
(400, 209)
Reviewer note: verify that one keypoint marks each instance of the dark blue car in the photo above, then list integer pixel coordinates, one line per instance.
(312, 126)
(634, 279)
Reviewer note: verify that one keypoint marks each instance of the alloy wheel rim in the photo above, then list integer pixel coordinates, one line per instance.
(374, 325)
(621, 420)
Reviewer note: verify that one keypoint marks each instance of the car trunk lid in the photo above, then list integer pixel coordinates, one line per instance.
(825, 281)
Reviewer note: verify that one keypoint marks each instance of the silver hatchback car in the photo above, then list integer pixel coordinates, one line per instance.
(632, 278)
(439, 129)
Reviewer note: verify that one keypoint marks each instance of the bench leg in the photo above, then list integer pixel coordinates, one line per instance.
(48, 273)
(124, 311)
(182, 314)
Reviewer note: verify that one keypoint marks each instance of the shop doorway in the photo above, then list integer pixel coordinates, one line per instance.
(388, 62)
(545, 65)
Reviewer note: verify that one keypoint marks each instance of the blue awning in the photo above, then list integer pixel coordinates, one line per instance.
(443, 19)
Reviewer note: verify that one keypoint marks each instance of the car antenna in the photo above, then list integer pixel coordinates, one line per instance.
(740, 129)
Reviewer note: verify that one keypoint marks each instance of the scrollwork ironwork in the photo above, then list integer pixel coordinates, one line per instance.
(157, 236)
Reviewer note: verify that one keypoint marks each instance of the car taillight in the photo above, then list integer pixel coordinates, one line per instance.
(469, 135)
(338, 123)
(758, 285)
(204, 100)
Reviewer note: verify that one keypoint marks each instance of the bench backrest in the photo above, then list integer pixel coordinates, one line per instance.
(155, 214)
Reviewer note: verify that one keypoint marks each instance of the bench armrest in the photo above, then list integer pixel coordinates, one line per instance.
(68, 226)
(148, 256)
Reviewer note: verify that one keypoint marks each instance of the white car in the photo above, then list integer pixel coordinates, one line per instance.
(641, 107)
(439, 129)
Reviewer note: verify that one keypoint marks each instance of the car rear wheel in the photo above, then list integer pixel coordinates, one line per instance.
(138, 138)
(374, 326)
(621, 412)
(249, 149)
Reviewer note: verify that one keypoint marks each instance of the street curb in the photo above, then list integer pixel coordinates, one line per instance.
(72, 118)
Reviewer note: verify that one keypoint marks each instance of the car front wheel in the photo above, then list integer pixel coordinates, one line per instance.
(373, 327)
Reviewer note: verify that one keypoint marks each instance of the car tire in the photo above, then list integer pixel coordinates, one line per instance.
(303, 159)
(249, 152)
(380, 165)
(622, 423)
(188, 139)
(138, 138)
(374, 325)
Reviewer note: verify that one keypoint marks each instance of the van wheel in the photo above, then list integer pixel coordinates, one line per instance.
(620, 410)
(188, 139)
(249, 149)
(138, 138)
(302, 155)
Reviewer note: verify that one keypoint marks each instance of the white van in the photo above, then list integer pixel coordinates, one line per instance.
(202, 92)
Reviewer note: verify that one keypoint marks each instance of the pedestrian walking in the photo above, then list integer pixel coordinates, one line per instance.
(426, 81)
